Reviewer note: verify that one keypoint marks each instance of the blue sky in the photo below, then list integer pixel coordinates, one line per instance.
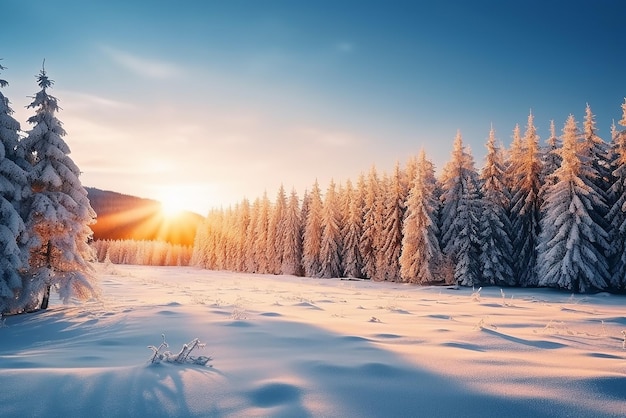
(211, 101)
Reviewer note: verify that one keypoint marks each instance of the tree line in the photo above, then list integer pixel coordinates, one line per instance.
(142, 252)
(551, 215)
(44, 210)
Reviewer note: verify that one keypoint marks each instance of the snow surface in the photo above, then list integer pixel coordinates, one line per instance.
(284, 346)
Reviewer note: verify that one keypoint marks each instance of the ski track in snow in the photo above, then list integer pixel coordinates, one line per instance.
(285, 346)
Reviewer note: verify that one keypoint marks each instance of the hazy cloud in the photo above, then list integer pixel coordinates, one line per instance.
(142, 66)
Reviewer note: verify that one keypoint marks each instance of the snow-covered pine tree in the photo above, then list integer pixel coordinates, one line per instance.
(13, 184)
(525, 206)
(251, 262)
(391, 231)
(292, 237)
(460, 215)
(199, 256)
(312, 237)
(275, 243)
(616, 216)
(330, 248)
(370, 232)
(495, 231)
(243, 223)
(598, 155)
(551, 160)
(421, 257)
(261, 234)
(513, 161)
(571, 244)
(58, 210)
(351, 233)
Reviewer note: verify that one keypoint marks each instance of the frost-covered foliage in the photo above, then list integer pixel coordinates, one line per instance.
(551, 160)
(525, 205)
(146, 253)
(495, 228)
(394, 198)
(160, 353)
(58, 210)
(352, 230)
(311, 258)
(597, 152)
(330, 247)
(368, 246)
(275, 235)
(616, 216)
(572, 244)
(13, 185)
(462, 227)
(421, 257)
(292, 239)
(461, 208)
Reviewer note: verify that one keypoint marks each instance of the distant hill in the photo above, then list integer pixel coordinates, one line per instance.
(122, 216)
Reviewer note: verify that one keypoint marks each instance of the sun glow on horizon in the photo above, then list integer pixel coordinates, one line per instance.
(173, 201)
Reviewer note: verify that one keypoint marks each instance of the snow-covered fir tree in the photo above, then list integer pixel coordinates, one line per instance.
(597, 154)
(551, 160)
(420, 257)
(525, 206)
(513, 161)
(616, 216)
(261, 235)
(330, 248)
(571, 244)
(251, 263)
(58, 210)
(292, 238)
(243, 223)
(312, 237)
(495, 227)
(460, 215)
(276, 234)
(351, 233)
(13, 184)
(370, 232)
(391, 228)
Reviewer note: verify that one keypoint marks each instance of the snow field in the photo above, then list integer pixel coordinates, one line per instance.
(284, 346)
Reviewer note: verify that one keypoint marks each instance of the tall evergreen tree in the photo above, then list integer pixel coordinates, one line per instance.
(598, 155)
(59, 213)
(243, 223)
(13, 184)
(571, 244)
(460, 215)
(370, 233)
(551, 160)
(391, 231)
(292, 237)
(421, 257)
(616, 216)
(513, 161)
(496, 249)
(312, 238)
(276, 234)
(330, 249)
(525, 207)
(261, 235)
(351, 233)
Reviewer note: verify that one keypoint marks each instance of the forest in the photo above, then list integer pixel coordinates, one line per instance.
(535, 215)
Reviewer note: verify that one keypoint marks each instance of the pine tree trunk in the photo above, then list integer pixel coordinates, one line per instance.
(46, 298)
(46, 295)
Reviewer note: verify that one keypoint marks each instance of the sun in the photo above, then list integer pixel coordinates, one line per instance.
(172, 203)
